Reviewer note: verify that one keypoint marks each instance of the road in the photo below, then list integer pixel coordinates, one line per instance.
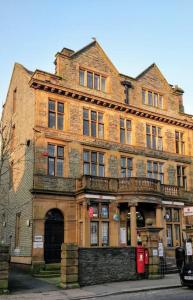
(171, 294)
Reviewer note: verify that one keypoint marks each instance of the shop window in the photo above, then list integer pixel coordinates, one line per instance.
(56, 115)
(93, 163)
(155, 170)
(173, 231)
(93, 124)
(55, 160)
(181, 177)
(99, 225)
(126, 166)
(125, 131)
(154, 137)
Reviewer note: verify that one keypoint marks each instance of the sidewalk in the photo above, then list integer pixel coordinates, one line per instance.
(117, 288)
(49, 290)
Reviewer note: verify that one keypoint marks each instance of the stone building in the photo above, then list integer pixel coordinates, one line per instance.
(96, 156)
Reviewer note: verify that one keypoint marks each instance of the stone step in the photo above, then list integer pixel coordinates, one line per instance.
(47, 275)
(54, 266)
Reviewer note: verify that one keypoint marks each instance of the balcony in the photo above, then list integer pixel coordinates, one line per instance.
(108, 185)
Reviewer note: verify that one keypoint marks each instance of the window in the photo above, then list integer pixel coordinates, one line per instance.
(173, 231)
(179, 138)
(125, 131)
(155, 170)
(56, 115)
(154, 137)
(17, 230)
(181, 177)
(99, 225)
(81, 77)
(126, 166)
(92, 80)
(55, 160)
(93, 124)
(93, 163)
(152, 99)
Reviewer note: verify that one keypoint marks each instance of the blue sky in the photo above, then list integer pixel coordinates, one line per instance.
(134, 34)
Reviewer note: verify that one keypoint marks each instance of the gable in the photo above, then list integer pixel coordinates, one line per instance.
(93, 56)
(153, 79)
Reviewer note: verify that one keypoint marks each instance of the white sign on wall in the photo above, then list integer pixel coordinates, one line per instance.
(38, 238)
(188, 248)
(188, 211)
(160, 249)
(38, 245)
(123, 239)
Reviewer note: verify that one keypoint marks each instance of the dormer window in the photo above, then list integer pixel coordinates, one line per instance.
(92, 80)
(152, 99)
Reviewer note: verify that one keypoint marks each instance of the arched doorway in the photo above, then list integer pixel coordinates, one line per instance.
(54, 236)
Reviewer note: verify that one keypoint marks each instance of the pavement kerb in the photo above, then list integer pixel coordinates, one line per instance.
(128, 291)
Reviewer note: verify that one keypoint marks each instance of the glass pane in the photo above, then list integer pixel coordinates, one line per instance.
(169, 236)
(101, 158)
(60, 122)
(85, 114)
(176, 217)
(93, 169)
(177, 135)
(85, 127)
(150, 102)
(104, 211)
(168, 214)
(86, 169)
(153, 130)
(60, 151)
(143, 96)
(149, 166)
(129, 163)
(185, 182)
(129, 173)
(161, 178)
(94, 157)
(128, 137)
(105, 233)
(93, 115)
(52, 120)
(101, 171)
(93, 129)
(122, 136)
(148, 129)
(94, 233)
(52, 105)
(51, 166)
(154, 142)
(123, 162)
(95, 210)
(89, 80)
(155, 167)
(177, 232)
(122, 123)
(128, 124)
(179, 170)
(51, 150)
(123, 172)
(148, 141)
(81, 79)
(60, 107)
(86, 156)
(101, 131)
(96, 82)
(103, 84)
(100, 117)
(60, 167)
(160, 101)
(160, 144)
(156, 100)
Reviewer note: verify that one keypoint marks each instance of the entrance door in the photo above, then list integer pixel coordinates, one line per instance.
(54, 236)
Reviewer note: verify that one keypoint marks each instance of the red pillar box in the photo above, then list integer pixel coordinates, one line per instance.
(140, 259)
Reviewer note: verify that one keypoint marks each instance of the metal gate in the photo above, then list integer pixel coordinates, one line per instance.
(54, 236)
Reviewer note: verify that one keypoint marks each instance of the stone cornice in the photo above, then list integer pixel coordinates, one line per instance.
(75, 94)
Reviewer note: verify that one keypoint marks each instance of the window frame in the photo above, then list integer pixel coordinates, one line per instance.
(128, 168)
(125, 131)
(93, 127)
(173, 224)
(152, 98)
(96, 81)
(154, 138)
(56, 158)
(155, 170)
(92, 164)
(57, 114)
